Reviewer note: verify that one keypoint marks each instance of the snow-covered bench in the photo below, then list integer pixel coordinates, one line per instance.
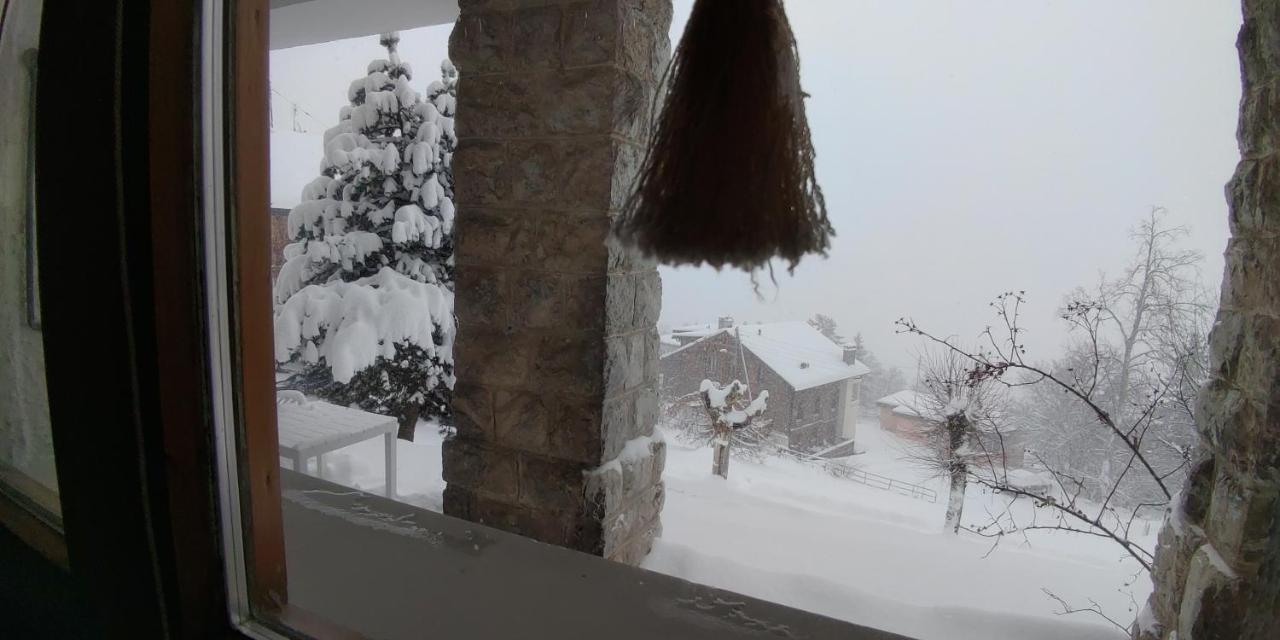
(311, 428)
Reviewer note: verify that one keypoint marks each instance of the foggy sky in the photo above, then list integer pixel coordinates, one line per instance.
(965, 148)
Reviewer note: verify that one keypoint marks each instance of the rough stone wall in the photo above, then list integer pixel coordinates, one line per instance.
(557, 346)
(1217, 569)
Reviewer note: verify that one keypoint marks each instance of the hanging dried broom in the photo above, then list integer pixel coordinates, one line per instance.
(728, 178)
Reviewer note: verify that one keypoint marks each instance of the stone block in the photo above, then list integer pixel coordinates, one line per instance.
(620, 257)
(619, 424)
(602, 491)
(636, 521)
(481, 468)
(591, 33)
(584, 302)
(637, 354)
(539, 240)
(473, 411)
(620, 303)
(493, 358)
(523, 420)
(536, 38)
(576, 245)
(617, 362)
(550, 484)
(648, 299)
(647, 410)
(627, 161)
(521, 105)
(576, 433)
(632, 107)
(482, 297)
(567, 173)
(640, 473)
(483, 237)
(640, 48)
(572, 362)
(480, 168)
(537, 300)
(480, 44)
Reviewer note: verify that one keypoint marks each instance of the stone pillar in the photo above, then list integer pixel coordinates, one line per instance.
(557, 350)
(1217, 569)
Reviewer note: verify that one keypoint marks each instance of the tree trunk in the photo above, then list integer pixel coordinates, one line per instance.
(957, 425)
(408, 423)
(955, 502)
(720, 461)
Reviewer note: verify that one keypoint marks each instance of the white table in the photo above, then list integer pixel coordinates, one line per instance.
(314, 428)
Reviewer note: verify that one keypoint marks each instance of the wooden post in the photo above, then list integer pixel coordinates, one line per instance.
(389, 468)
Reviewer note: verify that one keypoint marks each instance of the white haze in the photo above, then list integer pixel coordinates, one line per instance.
(965, 148)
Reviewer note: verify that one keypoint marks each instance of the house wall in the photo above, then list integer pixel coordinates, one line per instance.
(816, 417)
(904, 426)
(789, 411)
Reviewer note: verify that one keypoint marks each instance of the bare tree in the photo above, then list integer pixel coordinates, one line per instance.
(1152, 320)
(1001, 359)
(723, 418)
(731, 410)
(961, 428)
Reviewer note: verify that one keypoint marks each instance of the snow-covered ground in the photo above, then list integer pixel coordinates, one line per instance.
(788, 532)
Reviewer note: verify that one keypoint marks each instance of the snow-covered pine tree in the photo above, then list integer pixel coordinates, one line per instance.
(365, 298)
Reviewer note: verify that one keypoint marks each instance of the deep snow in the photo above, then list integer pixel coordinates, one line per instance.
(788, 532)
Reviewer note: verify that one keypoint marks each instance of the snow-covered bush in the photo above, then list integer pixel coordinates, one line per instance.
(364, 301)
(718, 415)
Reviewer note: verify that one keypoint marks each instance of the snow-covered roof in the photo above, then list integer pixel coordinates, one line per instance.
(694, 331)
(668, 340)
(906, 396)
(797, 352)
(1028, 479)
(295, 161)
(912, 404)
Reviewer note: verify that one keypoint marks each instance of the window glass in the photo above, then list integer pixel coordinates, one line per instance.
(26, 446)
(991, 174)
(964, 151)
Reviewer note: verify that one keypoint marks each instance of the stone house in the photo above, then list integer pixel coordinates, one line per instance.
(814, 384)
(899, 414)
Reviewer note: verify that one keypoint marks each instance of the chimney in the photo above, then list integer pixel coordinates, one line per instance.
(724, 322)
(850, 354)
